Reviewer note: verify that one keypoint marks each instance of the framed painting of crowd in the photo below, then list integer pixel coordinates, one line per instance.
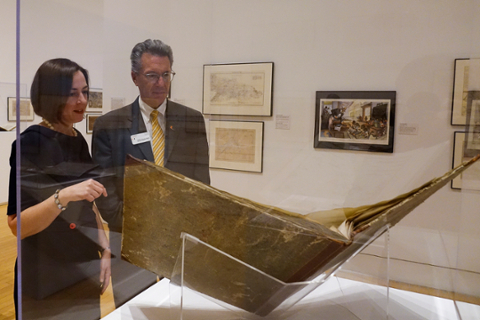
(355, 120)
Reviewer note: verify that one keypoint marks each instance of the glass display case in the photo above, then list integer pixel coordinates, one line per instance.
(352, 104)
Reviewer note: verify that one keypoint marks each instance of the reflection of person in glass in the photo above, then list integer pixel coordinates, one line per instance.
(131, 130)
(65, 254)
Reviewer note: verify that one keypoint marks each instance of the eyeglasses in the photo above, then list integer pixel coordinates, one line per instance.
(154, 77)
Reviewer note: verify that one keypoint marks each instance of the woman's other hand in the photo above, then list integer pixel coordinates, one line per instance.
(87, 190)
(105, 270)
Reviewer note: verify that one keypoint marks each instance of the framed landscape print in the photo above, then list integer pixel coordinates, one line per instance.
(95, 101)
(90, 121)
(243, 89)
(26, 109)
(355, 120)
(460, 92)
(236, 145)
(469, 179)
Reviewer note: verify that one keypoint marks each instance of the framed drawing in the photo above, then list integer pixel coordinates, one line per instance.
(90, 121)
(472, 137)
(469, 179)
(95, 101)
(460, 92)
(236, 145)
(25, 107)
(355, 120)
(238, 89)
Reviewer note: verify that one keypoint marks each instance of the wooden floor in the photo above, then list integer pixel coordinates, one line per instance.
(8, 245)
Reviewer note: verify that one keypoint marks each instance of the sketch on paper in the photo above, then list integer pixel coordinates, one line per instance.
(472, 138)
(95, 101)
(471, 179)
(235, 145)
(462, 72)
(91, 121)
(237, 89)
(25, 109)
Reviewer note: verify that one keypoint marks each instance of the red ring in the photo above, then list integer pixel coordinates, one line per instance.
(72, 226)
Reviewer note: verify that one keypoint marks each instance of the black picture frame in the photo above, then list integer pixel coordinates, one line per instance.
(472, 138)
(460, 92)
(238, 89)
(472, 180)
(355, 120)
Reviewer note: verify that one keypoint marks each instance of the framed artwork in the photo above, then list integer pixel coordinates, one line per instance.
(460, 92)
(244, 89)
(355, 120)
(26, 109)
(469, 179)
(95, 101)
(236, 145)
(472, 137)
(90, 121)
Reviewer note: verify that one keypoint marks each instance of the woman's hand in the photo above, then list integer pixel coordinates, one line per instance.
(87, 190)
(38, 217)
(105, 270)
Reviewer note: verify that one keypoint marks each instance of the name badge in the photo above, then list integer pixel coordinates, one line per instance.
(140, 138)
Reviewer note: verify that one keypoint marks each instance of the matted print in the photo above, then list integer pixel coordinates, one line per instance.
(460, 92)
(236, 145)
(25, 106)
(469, 179)
(95, 101)
(238, 89)
(91, 121)
(472, 138)
(355, 120)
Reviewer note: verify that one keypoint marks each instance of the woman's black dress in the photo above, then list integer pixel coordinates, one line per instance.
(60, 265)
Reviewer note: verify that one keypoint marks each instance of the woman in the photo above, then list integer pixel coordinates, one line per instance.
(65, 252)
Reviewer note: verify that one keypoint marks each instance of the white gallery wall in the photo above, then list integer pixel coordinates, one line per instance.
(404, 46)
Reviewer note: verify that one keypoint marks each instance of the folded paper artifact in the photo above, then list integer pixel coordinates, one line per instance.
(160, 204)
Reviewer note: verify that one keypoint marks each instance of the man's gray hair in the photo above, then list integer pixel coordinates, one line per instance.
(153, 47)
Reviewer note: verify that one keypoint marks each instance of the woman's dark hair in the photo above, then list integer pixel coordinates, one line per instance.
(51, 87)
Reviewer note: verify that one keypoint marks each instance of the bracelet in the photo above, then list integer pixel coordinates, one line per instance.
(103, 250)
(57, 201)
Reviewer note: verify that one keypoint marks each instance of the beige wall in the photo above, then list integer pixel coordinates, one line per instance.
(406, 46)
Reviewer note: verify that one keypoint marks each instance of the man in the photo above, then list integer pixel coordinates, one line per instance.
(131, 130)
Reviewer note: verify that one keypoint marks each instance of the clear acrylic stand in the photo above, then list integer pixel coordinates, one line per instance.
(249, 293)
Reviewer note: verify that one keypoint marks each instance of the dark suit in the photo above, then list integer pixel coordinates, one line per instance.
(186, 152)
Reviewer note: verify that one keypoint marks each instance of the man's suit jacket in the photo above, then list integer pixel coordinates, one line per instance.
(186, 149)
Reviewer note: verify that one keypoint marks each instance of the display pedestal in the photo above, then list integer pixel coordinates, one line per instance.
(269, 298)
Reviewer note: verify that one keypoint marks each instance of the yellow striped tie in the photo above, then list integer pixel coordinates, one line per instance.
(158, 139)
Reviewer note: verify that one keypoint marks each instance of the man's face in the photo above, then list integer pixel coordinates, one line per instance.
(152, 92)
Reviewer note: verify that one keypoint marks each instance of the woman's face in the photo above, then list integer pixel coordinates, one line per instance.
(77, 101)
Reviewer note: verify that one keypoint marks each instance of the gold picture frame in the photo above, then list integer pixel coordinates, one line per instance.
(91, 121)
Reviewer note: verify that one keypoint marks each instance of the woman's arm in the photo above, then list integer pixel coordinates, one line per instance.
(38, 217)
(106, 253)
